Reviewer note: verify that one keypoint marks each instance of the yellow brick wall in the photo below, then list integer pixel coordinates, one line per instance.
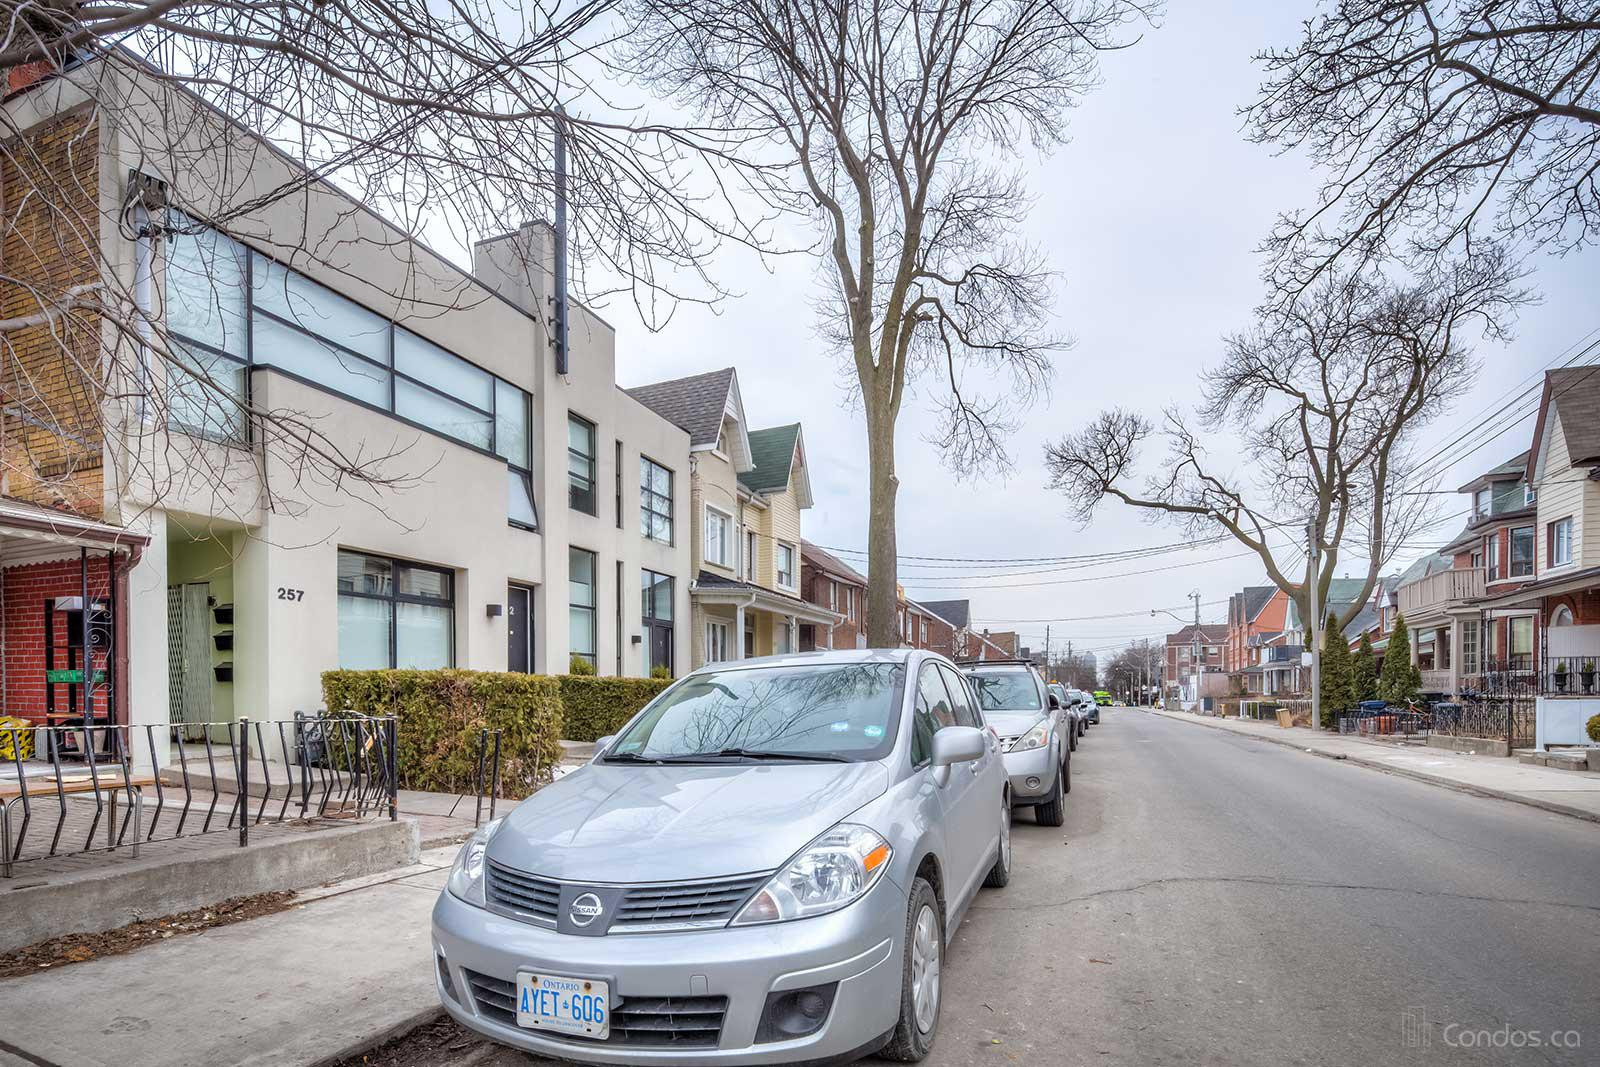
(49, 181)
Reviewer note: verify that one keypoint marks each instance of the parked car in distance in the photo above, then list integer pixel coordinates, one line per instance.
(1032, 726)
(1069, 703)
(765, 865)
(1086, 708)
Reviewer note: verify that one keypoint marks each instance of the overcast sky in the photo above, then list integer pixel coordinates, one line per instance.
(1150, 215)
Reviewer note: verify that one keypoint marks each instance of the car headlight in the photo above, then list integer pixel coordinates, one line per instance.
(837, 868)
(466, 875)
(1037, 737)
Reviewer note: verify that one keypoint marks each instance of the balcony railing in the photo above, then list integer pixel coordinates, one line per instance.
(1439, 591)
(1571, 676)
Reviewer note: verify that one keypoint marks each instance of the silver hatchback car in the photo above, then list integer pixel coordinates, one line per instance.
(764, 866)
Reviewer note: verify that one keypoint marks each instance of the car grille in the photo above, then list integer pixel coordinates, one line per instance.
(1007, 742)
(666, 905)
(682, 903)
(638, 1022)
(523, 895)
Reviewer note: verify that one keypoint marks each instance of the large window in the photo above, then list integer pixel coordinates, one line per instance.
(1494, 556)
(580, 464)
(229, 309)
(1560, 546)
(1521, 633)
(655, 612)
(719, 537)
(394, 614)
(1522, 541)
(581, 600)
(716, 642)
(655, 501)
(786, 573)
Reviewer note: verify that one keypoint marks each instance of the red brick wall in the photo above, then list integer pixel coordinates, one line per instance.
(814, 589)
(25, 588)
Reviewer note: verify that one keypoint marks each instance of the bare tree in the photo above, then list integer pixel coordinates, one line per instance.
(1437, 120)
(440, 119)
(891, 121)
(1326, 393)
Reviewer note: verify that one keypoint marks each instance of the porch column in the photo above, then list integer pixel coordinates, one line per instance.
(794, 633)
(738, 631)
(1415, 646)
(1455, 658)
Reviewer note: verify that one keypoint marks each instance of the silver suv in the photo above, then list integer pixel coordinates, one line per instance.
(764, 866)
(1033, 734)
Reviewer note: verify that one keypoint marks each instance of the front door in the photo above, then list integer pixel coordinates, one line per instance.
(519, 629)
(189, 653)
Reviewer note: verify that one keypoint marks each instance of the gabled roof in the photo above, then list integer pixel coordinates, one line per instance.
(827, 561)
(1256, 598)
(957, 613)
(1574, 393)
(699, 403)
(1514, 468)
(777, 456)
(1210, 634)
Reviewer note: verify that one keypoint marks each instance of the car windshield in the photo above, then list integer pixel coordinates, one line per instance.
(1006, 690)
(823, 711)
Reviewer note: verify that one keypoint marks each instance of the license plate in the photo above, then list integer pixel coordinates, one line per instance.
(577, 1006)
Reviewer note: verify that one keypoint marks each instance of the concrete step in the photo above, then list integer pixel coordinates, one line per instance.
(1572, 759)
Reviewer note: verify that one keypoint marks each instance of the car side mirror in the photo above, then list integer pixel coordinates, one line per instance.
(1055, 702)
(601, 745)
(957, 744)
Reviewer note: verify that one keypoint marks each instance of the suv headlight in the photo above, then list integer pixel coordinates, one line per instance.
(466, 875)
(834, 870)
(1037, 737)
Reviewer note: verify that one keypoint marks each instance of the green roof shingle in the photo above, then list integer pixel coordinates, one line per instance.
(772, 451)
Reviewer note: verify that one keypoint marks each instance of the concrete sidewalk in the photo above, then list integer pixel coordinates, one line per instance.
(343, 970)
(1566, 792)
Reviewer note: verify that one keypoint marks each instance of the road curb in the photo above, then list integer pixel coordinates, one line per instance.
(1378, 765)
(420, 1018)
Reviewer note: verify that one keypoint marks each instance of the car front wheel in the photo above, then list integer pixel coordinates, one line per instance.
(1052, 811)
(922, 968)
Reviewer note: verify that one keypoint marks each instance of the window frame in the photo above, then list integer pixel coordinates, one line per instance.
(793, 584)
(394, 598)
(1493, 547)
(573, 418)
(1512, 562)
(252, 360)
(717, 639)
(593, 607)
(1554, 531)
(649, 498)
(726, 528)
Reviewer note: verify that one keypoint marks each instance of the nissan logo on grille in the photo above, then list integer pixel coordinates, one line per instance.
(585, 910)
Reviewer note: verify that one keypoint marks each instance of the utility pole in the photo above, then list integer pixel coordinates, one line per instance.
(1047, 673)
(1313, 571)
(1194, 652)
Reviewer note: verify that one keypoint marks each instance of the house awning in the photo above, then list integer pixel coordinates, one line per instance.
(29, 532)
(1530, 595)
(714, 589)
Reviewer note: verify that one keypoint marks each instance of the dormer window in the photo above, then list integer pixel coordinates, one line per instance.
(1482, 502)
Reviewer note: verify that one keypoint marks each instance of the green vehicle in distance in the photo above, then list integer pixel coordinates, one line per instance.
(1102, 698)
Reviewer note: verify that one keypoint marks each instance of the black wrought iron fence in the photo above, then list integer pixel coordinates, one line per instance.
(308, 768)
(1570, 675)
(1500, 703)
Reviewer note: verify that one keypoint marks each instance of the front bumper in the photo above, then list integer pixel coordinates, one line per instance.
(859, 947)
(1040, 765)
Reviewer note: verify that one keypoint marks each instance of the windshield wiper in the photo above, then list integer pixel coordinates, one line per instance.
(628, 757)
(769, 754)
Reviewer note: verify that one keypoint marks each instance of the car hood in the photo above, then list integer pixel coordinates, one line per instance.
(1012, 723)
(632, 823)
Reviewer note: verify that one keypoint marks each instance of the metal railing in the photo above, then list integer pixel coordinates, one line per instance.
(329, 768)
(1573, 676)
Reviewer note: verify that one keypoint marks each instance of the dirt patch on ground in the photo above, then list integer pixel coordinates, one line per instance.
(80, 948)
(436, 1044)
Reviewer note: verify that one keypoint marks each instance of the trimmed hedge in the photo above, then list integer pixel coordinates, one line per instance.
(597, 707)
(439, 715)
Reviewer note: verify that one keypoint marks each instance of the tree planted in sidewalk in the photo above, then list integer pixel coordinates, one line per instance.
(1327, 395)
(1400, 681)
(1364, 671)
(892, 128)
(1337, 681)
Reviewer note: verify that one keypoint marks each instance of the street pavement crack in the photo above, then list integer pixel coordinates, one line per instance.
(1284, 883)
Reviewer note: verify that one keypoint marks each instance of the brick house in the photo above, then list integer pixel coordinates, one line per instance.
(1254, 613)
(829, 582)
(1180, 653)
(922, 627)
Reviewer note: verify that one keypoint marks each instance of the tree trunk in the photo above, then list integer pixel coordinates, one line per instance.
(883, 625)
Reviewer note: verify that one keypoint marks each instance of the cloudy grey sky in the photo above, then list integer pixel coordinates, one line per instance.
(1150, 215)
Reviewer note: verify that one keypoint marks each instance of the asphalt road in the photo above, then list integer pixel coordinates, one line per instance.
(1217, 900)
